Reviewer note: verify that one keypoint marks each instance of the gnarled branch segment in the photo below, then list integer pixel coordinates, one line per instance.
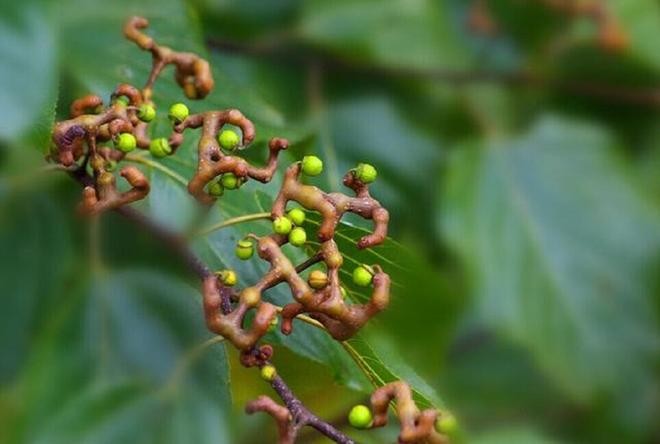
(417, 427)
(192, 73)
(333, 206)
(288, 431)
(105, 196)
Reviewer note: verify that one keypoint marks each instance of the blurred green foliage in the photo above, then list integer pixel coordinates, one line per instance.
(527, 290)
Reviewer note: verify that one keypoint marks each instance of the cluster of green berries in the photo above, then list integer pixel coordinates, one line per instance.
(291, 225)
(228, 181)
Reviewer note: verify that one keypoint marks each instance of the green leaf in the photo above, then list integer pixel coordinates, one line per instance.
(396, 33)
(27, 71)
(513, 435)
(640, 20)
(558, 239)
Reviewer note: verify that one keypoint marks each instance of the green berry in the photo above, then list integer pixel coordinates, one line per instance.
(282, 225)
(230, 181)
(123, 100)
(360, 417)
(366, 173)
(147, 113)
(228, 277)
(228, 140)
(268, 373)
(362, 276)
(312, 165)
(317, 279)
(216, 189)
(111, 165)
(298, 237)
(178, 112)
(244, 249)
(446, 424)
(297, 216)
(273, 325)
(160, 147)
(126, 142)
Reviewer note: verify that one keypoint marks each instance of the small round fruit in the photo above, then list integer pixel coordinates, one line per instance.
(360, 417)
(317, 279)
(273, 325)
(312, 165)
(268, 373)
(362, 276)
(297, 216)
(228, 277)
(216, 189)
(244, 249)
(147, 113)
(282, 225)
(229, 181)
(178, 112)
(298, 237)
(366, 173)
(160, 147)
(122, 100)
(111, 165)
(228, 140)
(446, 424)
(126, 142)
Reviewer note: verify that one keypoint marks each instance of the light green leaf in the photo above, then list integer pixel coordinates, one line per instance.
(559, 241)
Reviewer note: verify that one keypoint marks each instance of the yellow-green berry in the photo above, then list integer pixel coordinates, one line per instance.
(297, 216)
(216, 189)
(312, 165)
(282, 225)
(178, 112)
(446, 424)
(126, 142)
(317, 279)
(160, 147)
(360, 417)
(147, 113)
(122, 100)
(229, 181)
(273, 324)
(228, 277)
(268, 373)
(298, 237)
(344, 293)
(362, 276)
(228, 140)
(244, 249)
(366, 173)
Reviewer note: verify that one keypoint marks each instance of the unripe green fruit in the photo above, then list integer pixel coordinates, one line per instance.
(244, 249)
(312, 165)
(123, 100)
(366, 173)
(178, 112)
(282, 225)
(317, 279)
(446, 424)
(228, 277)
(110, 165)
(160, 147)
(216, 189)
(147, 113)
(297, 216)
(362, 276)
(228, 140)
(273, 325)
(126, 142)
(298, 237)
(229, 181)
(268, 373)
(360, 417)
